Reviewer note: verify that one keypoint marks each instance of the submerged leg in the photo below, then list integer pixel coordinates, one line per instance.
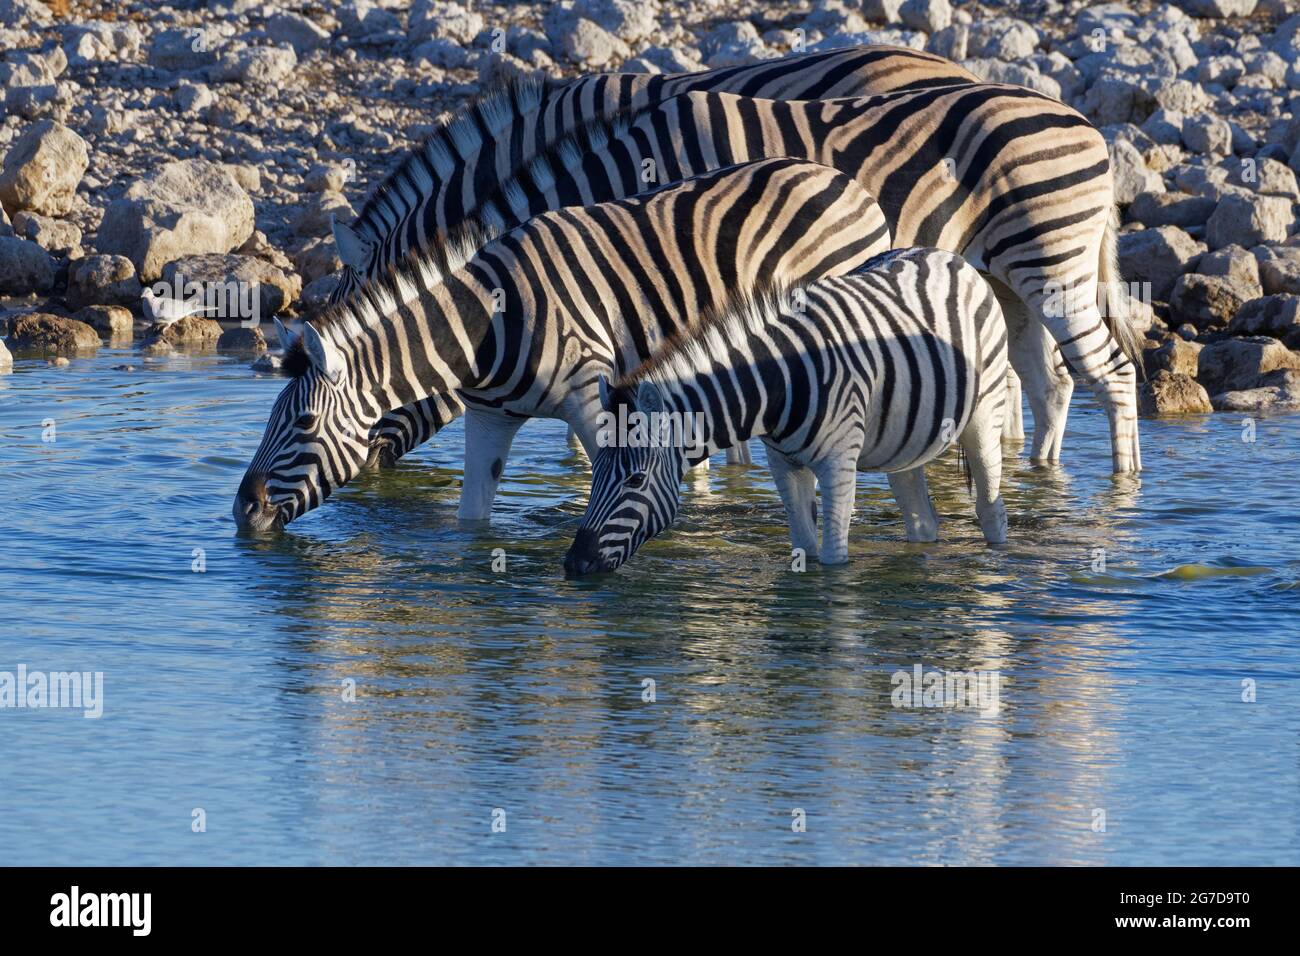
(839, 484)
(488, 436)
(982, 442)
(912, 495)
(798, 490)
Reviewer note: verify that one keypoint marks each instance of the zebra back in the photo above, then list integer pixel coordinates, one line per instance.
(439, 183)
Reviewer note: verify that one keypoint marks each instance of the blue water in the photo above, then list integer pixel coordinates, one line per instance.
(518, 691)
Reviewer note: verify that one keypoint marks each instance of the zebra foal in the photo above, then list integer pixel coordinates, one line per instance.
(879, 370)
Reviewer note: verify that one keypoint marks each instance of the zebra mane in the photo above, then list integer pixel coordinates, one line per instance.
(457, 139)
(370, 303)
(565, 154)
(742, 313)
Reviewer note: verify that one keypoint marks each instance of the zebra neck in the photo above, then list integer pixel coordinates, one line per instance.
(429, 345)
(711, 418)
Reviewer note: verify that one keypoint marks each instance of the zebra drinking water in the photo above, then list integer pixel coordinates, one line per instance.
(526, 324)
(880, 370)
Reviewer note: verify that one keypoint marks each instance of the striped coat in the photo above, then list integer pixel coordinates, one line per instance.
(880, 370)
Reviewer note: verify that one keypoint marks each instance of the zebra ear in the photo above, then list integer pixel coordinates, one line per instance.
(649, 399)
(285, 336)
(324, 356)
(353, 250)
(606, 395)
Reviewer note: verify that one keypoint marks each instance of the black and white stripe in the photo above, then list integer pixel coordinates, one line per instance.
(439, 186)
(881, 370)
(527, 325)
(1016, 182)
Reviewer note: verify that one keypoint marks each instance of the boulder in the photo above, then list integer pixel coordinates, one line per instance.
(295, 30)
(189, 207)
(24, 267)
(1208, 135)
(590, 45)
(926, 15)
(1273, 315)
(1171, 209)
(1235, 364)
(434, 19)
(110, 321)
(102, 280)
(242, 339)
(1219, 9)
(1158, 256)
(1176, 355)
(43, 168)
(1002, 37)
(1207, 302)
(47, 334)
(255, 65)
(1277, 392)
(1130, 173)
(52, 235)
(241, 287)
(1248, 220)
(183, 50)
(1279, 269)
(1235, 263)
(1168, 393)
(191, 332)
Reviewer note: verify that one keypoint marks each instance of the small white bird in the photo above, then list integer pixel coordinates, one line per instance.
(166, 310)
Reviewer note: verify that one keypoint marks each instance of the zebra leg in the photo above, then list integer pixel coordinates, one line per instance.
(740, 454)
(488, 436)
(912, 495)
(1013, 425)
(575, 442)
(839, 483)
(982, 442)
(798, 490)
(1047, 384)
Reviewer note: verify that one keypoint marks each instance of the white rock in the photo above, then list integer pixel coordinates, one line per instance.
(257, 65)
(1002, 37)
(1208, 135)
(24, 267)
(188, 207)
(431, 19)
(1219, 9)
(1249, 220)
(297, 31)
(42, 169)
(926, 15)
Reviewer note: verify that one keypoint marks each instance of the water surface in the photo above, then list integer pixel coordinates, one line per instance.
(480, 691)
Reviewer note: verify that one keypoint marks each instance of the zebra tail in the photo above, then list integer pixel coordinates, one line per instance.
(1116, 308)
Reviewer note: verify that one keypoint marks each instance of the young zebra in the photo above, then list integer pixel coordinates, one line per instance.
(528, 324)
(1016, 182)
(439, 185)
(879, 370)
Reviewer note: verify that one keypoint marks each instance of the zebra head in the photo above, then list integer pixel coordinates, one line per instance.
(315, 439)
(635, 485)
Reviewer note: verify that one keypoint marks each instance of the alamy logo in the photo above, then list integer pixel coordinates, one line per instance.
(650, 429)
(103, 909)
(79, 690)
(978, 690)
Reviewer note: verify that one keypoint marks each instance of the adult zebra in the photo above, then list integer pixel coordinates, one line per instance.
(527, 325)
(439, 185)
(1015, 181)
(879, 370)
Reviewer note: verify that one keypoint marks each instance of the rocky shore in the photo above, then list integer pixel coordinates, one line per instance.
(214, 141)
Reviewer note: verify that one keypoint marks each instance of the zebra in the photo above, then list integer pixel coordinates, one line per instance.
(524, 326)
(437, 186)
(879, 370)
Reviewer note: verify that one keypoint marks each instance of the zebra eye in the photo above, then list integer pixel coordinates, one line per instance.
(635, 480)
(306, 422)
